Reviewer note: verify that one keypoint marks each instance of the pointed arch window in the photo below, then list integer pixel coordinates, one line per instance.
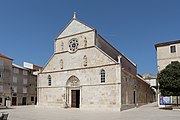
(102, 76)
(49, 80)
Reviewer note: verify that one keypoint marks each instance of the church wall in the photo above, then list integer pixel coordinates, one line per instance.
(128, 66)
(107, 48)
(78, 67)
(102, 97)
(74, 27)
(103, 45)
(52, 96)
(143, 93)
(85, 39)
(87, 76)
(76, 60)
(93, 92)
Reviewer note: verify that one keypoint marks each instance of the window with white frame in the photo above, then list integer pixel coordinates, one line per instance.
(25, 72)
(102, 76)
(25, 80)
(24, 89)
(14, 89)
(14, 79)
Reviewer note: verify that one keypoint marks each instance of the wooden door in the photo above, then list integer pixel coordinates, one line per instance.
(73, 98)
(24, 101)
(5, 99)
(14, 100)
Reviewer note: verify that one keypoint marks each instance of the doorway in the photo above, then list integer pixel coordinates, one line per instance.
(14, 100)
(134, 97)
(5, 99)
(75, 98)
(24, 101)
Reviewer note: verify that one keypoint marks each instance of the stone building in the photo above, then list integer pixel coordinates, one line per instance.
(17, 84)
(167, 52)
(86, 72)
(5, 78)
(152, 80)
(24, 86)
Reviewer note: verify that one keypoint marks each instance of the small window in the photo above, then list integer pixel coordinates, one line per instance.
(14, 79)
(49, 80)
(102, 76)
(25, 72)
(16, 70)
(24, 89)
(25, 81)
(173, 49)
(14, 89)
(32, 99)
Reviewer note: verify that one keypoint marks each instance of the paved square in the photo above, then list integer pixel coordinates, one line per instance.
(147, 112)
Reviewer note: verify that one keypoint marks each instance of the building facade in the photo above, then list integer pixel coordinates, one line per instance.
(167, 52)
(5, 78)
(18, 85)
(24, 86)
(86, 72)
(151, 79)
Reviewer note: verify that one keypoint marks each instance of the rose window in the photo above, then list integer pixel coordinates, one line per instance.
(73, 44)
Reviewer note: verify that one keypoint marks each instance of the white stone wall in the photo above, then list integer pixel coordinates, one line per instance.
(131, 83)
(75, 60)
(82, 37)
(74, 27)
(103, 94)
(164, 56)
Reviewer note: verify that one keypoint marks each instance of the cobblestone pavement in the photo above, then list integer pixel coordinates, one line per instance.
(147, 112)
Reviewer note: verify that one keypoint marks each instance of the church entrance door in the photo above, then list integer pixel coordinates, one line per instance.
(75, 98)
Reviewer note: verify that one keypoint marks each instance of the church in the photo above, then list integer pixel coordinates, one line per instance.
(86, 72)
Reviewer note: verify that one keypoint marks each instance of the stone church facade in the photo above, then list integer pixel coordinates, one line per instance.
(86, 72)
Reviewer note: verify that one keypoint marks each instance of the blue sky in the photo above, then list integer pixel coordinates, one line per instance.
(28, 27)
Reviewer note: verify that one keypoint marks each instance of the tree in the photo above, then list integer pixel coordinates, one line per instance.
(169, 80)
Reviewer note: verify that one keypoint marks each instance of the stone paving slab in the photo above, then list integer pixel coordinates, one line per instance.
(147, 112)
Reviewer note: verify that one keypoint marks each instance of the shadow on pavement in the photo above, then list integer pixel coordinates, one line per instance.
(4, 108)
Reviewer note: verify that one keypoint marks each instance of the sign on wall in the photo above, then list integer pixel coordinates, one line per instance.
(164, 100)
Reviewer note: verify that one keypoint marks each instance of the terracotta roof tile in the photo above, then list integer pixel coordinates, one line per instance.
(35, 67)
(3, 56)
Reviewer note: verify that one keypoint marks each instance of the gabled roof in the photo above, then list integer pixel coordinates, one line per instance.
(115, 52)
(3, 56)
(74, 27)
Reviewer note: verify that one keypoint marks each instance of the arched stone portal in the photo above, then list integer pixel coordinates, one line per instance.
(73, 92)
